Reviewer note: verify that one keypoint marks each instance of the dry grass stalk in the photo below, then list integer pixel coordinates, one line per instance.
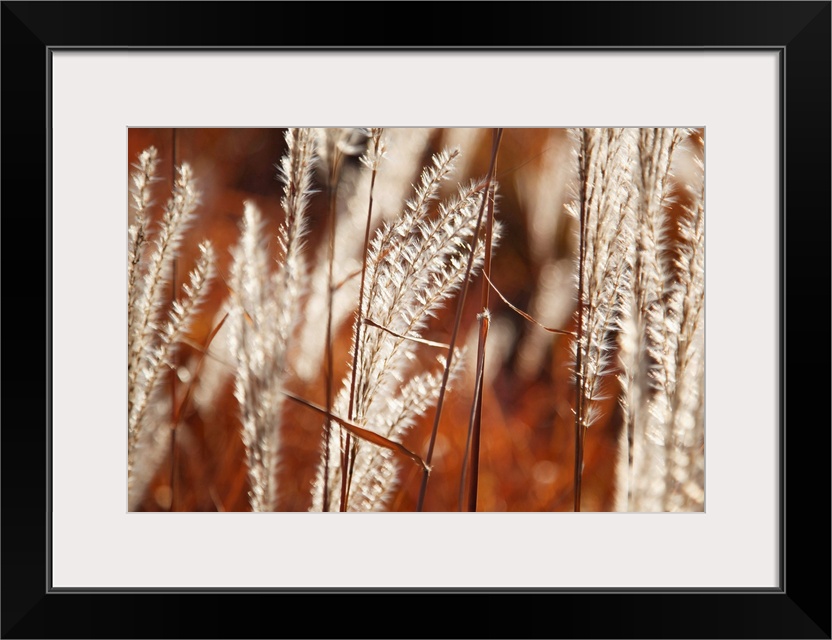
(633, 297)
(663, 345)
(484, 317)
(607, 230)
(152, 341)
(412, 267)
(397, 173)
(264, 309)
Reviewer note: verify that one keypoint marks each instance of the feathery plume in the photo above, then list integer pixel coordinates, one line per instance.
(604, 209)
(262, 316)
(400, 168)
(413, 266)
(687, 302)
(151, 347)
(661, 352)
(141, 200)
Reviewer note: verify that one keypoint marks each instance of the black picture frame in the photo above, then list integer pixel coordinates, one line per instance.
(798, 608)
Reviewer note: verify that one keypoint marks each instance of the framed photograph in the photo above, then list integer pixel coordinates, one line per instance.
(251, 163)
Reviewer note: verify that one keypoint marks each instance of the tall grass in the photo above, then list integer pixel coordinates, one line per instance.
(356, 275)
(153, 339)
(263, 312)
(413, 265)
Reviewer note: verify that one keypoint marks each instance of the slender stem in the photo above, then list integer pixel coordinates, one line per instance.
(329, 372)
(579, 376)
(347, 444)
(475, 403)
(476, 409)
(334, 171)
(351, 455)
(457, 321)
(174, 356)
(360, 323)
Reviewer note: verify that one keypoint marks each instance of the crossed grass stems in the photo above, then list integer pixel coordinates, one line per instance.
(640, 307)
